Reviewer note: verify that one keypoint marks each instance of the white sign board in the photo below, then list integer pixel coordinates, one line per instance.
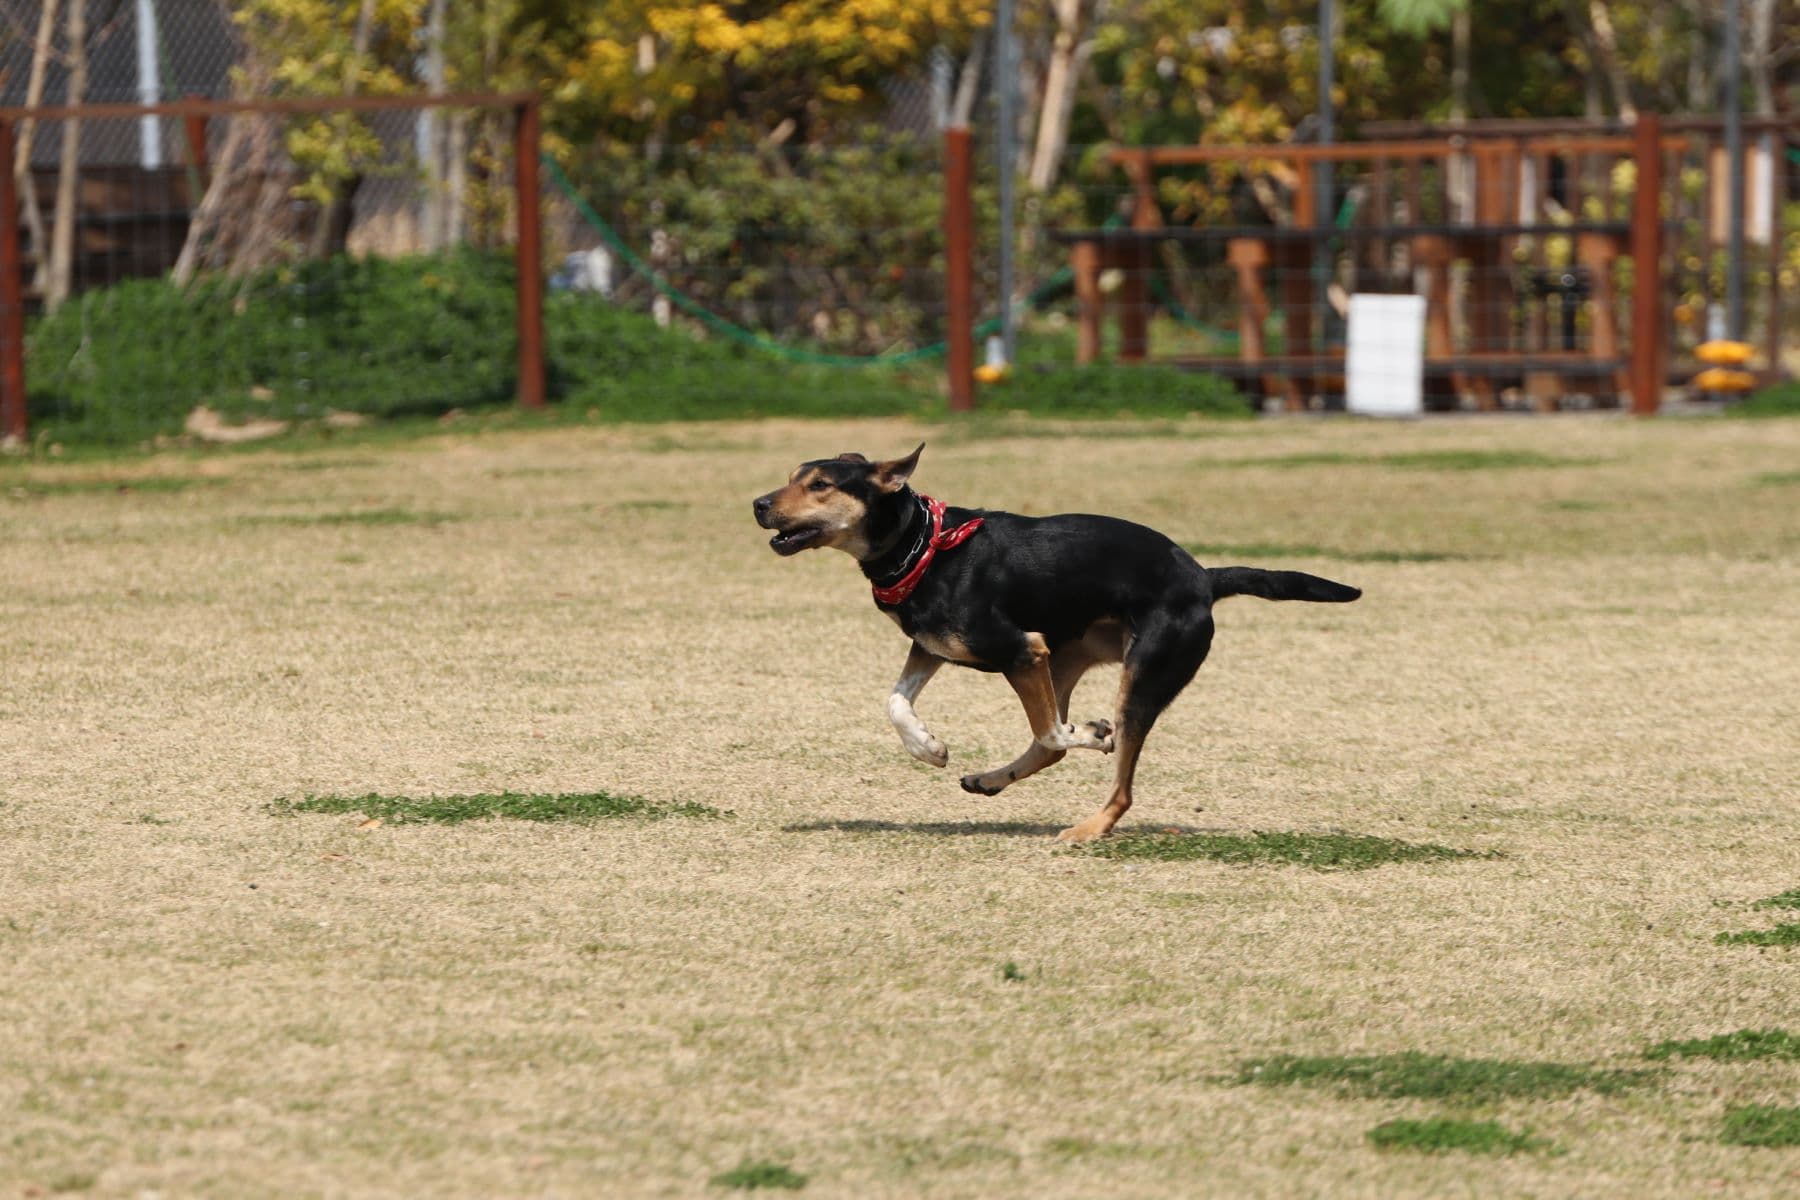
(1384, 375)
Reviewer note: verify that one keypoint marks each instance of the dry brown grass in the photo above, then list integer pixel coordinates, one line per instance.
(202, 998)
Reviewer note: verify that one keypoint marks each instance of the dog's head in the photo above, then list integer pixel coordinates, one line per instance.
(833, 502)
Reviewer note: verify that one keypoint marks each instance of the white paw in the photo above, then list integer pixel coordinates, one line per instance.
(929, 751)
(1094, 735)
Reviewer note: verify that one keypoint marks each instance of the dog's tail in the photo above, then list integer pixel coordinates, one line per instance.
(1278, 585)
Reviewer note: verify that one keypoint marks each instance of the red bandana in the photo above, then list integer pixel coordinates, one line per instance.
(941, 539)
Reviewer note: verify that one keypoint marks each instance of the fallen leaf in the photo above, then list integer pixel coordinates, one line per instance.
(371, 823)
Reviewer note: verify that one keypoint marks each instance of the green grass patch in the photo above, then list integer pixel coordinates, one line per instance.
(749, 1176)
(1761, 1125)
(1411, 1075)
(1439, 1135)
(149, 485)
(515, 806)
(1218, 552)
(357, 516)
(1787, 899)
(1782, 400)
(1319, 851)
(1417, 460)
(1778, 479)
(1782, 935)
(1742, 1046)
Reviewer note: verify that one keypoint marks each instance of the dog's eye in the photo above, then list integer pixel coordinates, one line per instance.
(819, 485)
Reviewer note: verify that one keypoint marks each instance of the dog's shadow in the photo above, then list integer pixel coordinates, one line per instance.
(930, 828)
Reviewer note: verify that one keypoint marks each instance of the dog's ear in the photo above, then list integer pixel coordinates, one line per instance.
(892, 476)
(851, 456)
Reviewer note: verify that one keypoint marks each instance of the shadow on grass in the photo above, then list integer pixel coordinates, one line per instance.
(930, 828)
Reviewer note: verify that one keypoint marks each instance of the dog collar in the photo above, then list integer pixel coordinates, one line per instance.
(940, 539)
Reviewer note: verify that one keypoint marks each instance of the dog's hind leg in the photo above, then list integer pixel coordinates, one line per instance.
(920, 666)
(1052, 735)
(1161, 660)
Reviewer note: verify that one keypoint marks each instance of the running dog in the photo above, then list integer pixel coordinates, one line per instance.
(1036, 599)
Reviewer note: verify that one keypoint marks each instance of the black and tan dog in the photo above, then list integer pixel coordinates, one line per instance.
(1036, 599)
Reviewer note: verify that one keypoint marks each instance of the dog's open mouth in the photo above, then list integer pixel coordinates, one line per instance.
(792, 541)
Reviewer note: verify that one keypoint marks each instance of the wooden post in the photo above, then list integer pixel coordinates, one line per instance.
(1646, 267)
(12, 301)
(194, 125)
(526, 147)
(1084, 260)
(959, 281)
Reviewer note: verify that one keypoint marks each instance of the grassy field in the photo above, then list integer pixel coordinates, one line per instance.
(497, 816)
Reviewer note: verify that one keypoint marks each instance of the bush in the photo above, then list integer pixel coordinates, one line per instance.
(421, 336)
(1782, 400)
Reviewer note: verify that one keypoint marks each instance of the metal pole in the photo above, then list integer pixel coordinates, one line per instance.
(1734, 173)
(1006, 80)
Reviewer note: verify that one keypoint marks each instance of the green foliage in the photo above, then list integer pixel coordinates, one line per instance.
(844, 243)
(1781, 400)
(393, 338)
(1742, 1046)
(421, 337)
(1781, 935)
(1143, 391)
(1787, 899)
(1318, 851)
(1411, 1075)
(751, 1175)
(517, 806)
(1438, 1135)
(1761, 1125)
(382, 337)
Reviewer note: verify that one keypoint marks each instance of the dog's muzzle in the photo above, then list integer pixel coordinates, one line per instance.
(791, 540)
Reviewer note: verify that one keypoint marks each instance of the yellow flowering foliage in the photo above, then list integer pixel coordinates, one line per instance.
(308, 49)
(645, 62)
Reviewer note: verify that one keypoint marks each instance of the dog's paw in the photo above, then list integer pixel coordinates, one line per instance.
(1091, 735)
(930, 751)
(974, 784)
(1089, 830)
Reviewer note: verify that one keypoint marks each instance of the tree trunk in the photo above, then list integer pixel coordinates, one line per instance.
(21, 164)
(330, 234)
(62, 236)
(970, 82)
(1762, 56)
(436, 207)
(1606, 52)
(1061, 79)
(1459, 65)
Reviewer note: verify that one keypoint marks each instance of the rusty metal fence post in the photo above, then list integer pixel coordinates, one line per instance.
(531, 256)
(13, 424)
(959, 271)
(1646, 269)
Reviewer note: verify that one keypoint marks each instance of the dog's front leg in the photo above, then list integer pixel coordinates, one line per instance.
(921, 665)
